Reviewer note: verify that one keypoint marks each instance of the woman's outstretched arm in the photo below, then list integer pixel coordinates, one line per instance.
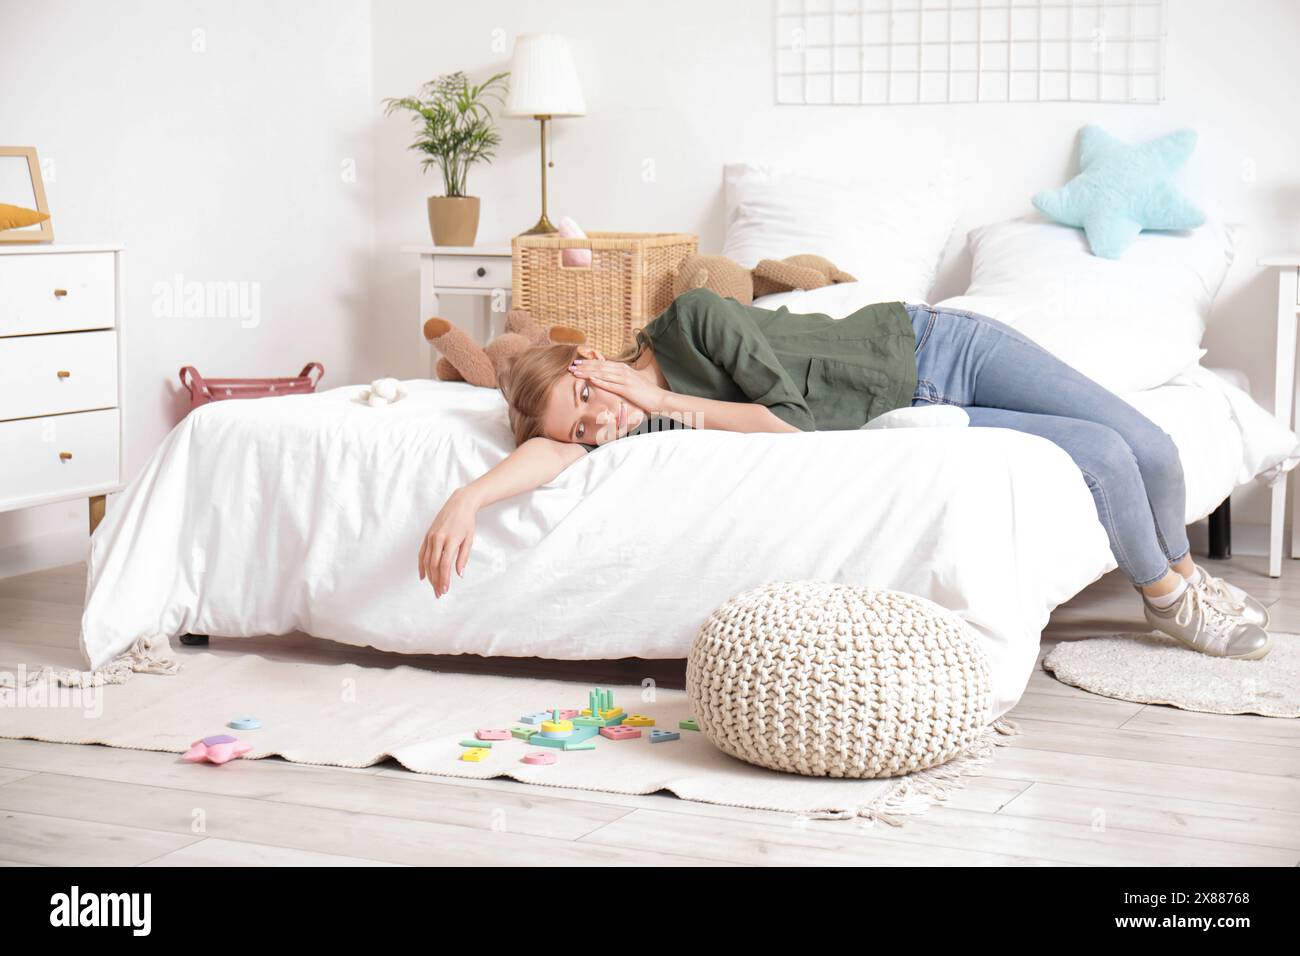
(447, 542)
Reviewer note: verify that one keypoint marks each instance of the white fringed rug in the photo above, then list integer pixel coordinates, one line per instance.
(1155, 669)
(346, 715)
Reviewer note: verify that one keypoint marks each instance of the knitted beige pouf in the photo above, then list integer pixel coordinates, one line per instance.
(831, 680)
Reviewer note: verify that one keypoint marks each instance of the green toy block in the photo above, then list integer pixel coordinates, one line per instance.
(688, 724)
(598, 722)
(580, 745)
(579, 735)
(486, 744)
(522, 733)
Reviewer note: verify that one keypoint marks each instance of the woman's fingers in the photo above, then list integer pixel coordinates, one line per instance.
(462, 558)
(424, 549)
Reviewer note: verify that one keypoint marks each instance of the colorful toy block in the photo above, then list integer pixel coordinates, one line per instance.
(578, 735)
(539, 759)
(619, 733)
(579, 745)
(482, 744)
(565, 714)
(536, 717)
(220, 749)
(639, 720)
(663, 736)
(522, 733)
(492, 734)
(475, 754)
(688, 724)
(557, 728)
(600, 703)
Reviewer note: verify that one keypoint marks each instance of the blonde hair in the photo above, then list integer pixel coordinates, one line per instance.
(528, 379)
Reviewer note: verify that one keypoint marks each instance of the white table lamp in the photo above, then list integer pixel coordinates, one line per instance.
(543, 85)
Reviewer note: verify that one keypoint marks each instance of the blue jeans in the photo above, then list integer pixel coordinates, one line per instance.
(1004, 380)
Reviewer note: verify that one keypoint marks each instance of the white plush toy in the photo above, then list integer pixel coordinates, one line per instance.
(922, 416)
(383, 391)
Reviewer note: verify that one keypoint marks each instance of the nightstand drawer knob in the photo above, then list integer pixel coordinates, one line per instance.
(64, 374)
(65, 456)
(480, 272)
(60, 293)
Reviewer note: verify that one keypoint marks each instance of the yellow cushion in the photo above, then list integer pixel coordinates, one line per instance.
(15, 217)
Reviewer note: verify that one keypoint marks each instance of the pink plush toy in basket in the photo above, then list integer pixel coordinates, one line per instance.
(204, 390)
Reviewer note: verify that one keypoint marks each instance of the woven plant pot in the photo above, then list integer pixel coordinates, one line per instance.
(830, 680)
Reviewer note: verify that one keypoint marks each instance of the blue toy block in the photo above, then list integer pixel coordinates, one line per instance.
(663, 736)
(536, 717)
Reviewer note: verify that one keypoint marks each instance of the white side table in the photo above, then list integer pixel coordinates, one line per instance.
(482, 271)
(1288, 314)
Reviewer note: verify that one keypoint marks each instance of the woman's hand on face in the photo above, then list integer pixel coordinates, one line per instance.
(447, 542)
(620, 379)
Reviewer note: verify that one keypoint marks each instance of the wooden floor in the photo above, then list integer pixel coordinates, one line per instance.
(1091, 781)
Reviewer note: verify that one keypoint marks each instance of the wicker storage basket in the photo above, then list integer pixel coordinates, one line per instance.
(629, 281)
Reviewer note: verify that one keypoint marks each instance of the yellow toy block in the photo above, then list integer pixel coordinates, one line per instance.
(556, 726)
(475, 754)
(638, 720)
(609, 714)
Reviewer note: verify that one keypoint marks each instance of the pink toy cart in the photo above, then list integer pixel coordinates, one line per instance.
(203, 390)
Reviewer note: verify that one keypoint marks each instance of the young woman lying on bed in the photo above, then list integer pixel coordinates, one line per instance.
(714, 363)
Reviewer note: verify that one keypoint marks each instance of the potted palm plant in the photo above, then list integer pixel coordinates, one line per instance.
(456, 130)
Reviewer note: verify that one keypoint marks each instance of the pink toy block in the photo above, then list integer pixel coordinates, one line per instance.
(222, 750)
(539, 759)
(492, 734)
(620, 732)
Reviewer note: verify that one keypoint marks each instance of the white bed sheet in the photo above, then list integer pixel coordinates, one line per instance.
(306, 513)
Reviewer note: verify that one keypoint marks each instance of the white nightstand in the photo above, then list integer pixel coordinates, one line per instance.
(482, 271)
(1288, 313)
(60, 375)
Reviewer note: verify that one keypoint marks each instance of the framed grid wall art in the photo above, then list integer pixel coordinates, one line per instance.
(875, 52)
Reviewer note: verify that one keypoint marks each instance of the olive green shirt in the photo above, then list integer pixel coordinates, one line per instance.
(812, 371)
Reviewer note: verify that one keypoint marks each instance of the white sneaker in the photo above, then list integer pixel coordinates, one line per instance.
(1206, 626)
(1233, 598)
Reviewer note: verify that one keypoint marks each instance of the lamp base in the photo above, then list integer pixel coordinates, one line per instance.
(543, 228)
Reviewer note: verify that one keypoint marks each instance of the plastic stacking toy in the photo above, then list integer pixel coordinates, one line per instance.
(539, 759)
(638, 720)
(244, 723)
(536, 717)
(688, 724)
(220, 749)
(492, 734)
(522, 733)
(621, 732)
(475, 754)
(663, 736)
(579, 745)
(566, 714)
(482, 744)
(556, 727)
(569, 741)
(600, 710)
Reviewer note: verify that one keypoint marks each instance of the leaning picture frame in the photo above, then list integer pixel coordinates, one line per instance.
(21, 185)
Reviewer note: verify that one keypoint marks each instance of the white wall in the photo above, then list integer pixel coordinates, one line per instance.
(687, 85)
(209, 138)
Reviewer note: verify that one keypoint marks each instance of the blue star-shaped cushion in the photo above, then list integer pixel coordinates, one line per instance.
(1122, 189)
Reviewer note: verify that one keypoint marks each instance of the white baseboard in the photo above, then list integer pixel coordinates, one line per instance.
(43, 552)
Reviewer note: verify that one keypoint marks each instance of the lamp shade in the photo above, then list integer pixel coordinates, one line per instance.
(543, 80)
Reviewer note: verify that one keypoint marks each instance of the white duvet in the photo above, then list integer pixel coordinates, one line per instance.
(307, 512)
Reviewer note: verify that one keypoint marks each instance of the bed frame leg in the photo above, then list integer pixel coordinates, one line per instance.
(1221, 531)
(194, 640)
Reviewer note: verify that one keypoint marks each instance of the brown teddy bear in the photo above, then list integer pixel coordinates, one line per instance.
(731, 280)
(464, 360)
(796, 272)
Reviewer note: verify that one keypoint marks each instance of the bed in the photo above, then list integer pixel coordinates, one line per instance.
(307, 512)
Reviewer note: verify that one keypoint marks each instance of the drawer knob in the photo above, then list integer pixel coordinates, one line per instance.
(65, 456)
(64, 374)
(480, 272)
(60, 293)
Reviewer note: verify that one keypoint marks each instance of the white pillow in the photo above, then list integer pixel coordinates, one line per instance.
(889, 232)
(1128, 323)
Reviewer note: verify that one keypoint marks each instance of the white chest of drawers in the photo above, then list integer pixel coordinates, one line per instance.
(60, 375)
